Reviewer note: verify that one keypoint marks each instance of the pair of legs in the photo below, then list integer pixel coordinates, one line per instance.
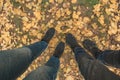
(50, 69)
(91, 68)
(14, 62)
(108, 57)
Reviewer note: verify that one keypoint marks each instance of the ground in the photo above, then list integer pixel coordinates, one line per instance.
(25, 21)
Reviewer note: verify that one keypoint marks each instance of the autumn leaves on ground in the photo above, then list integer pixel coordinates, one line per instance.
(25, 21)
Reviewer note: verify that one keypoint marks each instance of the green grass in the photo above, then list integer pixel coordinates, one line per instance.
(15, 4)
(89, 3)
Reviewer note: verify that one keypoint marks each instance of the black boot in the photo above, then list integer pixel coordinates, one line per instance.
(49, 34)
(59, 50)
(71, 41)
(38, 47)
(92, 47)
(108, 57)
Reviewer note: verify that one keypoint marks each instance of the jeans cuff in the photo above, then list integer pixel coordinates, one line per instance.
(53, 62)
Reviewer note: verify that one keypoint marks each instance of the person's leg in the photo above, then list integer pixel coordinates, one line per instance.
(14, 62)
(50, 69)
(90, 68)
(109, 57)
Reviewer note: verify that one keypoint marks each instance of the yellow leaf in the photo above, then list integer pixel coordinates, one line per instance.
(58, 14)
(51, 1)
(117, 38)
(75, 16)
(59, 1)
(73, 1)
(25, 19)
(37, 14)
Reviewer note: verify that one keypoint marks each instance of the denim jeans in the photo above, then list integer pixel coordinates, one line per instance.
(110, 57)
(91, 68)
(46, 72)
(14, 62)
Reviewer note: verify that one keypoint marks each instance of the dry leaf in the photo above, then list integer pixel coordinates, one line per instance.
(73, 1)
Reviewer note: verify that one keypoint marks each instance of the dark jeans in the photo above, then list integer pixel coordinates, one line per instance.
(14, 62)
(91, 68)
(46, 72)
(110, 57)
